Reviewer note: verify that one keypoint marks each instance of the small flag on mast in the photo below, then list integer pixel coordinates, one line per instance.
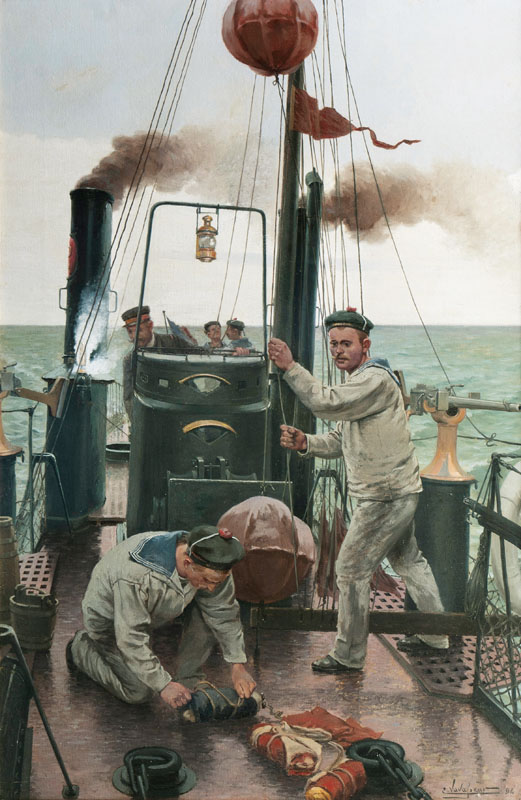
(327, 123)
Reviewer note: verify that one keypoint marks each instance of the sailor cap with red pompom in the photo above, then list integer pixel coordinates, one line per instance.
(350, 318)
(215, 548)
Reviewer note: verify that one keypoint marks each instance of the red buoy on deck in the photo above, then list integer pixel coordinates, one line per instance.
(272, 541)
(273, 37)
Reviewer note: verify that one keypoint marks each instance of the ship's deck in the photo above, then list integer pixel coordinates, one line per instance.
(459, 751)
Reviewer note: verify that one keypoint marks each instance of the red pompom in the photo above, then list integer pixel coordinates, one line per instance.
(350, 308)
(225, 533)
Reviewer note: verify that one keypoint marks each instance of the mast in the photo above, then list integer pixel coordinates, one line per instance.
(295, 299)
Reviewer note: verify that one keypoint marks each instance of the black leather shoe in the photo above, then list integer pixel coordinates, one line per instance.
(68, 656)
(413, 644)
(331, 665)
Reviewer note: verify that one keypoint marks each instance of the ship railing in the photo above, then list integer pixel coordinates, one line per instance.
(492, 601)
(117, 422)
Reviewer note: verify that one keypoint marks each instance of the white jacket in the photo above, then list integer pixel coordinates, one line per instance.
(125, 599)
(372, 433)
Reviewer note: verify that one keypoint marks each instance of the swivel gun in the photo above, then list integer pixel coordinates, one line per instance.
(10, 384)
(426, 399)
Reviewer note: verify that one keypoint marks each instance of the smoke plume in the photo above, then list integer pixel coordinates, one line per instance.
(194, 158)
(477, 205)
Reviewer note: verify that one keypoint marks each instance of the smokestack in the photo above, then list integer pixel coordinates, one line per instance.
(89, 268)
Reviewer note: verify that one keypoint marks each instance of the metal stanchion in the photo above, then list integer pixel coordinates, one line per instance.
(8, 636)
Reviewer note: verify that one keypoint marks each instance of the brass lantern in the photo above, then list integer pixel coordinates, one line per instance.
(206, 240)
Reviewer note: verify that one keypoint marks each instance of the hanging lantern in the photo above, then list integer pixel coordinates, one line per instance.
(206, 240)
(273, 37)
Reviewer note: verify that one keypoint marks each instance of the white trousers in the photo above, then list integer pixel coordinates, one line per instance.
(98, 656)
(378, 530)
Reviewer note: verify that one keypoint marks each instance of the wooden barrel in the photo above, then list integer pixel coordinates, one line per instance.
(9, 567)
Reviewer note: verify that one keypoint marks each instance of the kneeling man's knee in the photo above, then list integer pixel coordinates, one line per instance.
(138, 694)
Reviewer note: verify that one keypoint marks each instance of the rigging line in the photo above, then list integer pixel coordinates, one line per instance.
(348, 76)
(275, 222)
(290, 490)
(141, 166)
(490, 439)
(144, 160)
(259, 140)
(333, 143)
(238, 195)
(178, 92)
(167, 81)
(136, 250)
(126, 202)
(152, 134)
(174, 105)
(100, 280)
(343, 47)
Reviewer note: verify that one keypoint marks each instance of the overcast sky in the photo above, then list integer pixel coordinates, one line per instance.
(76, 73)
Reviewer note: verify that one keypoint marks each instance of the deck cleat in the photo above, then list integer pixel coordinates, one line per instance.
(153, 772)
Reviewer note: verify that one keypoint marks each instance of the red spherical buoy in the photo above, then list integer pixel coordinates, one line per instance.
(273, 37)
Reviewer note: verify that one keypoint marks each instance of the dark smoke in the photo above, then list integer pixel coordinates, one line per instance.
(195, 157)
(475, 204)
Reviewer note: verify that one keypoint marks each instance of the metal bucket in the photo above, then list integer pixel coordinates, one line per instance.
(33, 616)
(9, 566)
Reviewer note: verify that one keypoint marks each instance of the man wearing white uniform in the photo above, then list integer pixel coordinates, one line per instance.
(382, 471)
(145, 582)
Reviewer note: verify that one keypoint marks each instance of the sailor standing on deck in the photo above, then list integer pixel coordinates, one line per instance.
(373, 437)
(145, 582)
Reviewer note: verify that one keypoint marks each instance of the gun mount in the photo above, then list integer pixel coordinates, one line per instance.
(428, 399)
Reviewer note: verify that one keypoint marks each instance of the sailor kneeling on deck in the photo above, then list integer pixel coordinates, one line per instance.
(145, 582)
(383, 476)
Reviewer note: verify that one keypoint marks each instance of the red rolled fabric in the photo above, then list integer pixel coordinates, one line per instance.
(341, 783)
(344, 731)
(293, 753)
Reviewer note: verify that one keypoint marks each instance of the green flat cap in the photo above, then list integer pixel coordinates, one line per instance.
(350, 318)
(235, 323)
(214, 548)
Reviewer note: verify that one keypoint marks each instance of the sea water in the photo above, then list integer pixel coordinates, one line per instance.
(474, 359)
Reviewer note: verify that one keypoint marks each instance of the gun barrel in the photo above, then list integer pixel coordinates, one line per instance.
(491, 405)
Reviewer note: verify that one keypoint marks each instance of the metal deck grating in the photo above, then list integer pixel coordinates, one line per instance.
(37, 569)
(447, 673)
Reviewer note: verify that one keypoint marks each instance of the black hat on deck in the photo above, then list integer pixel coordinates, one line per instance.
(350, 318)
(214, 548)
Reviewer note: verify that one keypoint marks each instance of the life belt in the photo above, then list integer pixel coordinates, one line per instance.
(511, 509)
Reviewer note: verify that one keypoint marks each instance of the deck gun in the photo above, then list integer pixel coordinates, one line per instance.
(10, 384)
(428, 399)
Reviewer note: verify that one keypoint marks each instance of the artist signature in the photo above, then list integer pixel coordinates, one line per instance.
(461, 789)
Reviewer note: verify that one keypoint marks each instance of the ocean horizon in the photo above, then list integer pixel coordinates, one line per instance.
(474, 358)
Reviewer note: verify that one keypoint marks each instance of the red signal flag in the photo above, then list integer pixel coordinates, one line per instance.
(327, 123)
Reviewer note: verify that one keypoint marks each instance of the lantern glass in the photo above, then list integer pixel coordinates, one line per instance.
(206, 241)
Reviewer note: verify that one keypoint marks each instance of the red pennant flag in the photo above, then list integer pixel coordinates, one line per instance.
(326, 123)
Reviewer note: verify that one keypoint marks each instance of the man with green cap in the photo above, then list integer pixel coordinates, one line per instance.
(145, 582)
(372, 436)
